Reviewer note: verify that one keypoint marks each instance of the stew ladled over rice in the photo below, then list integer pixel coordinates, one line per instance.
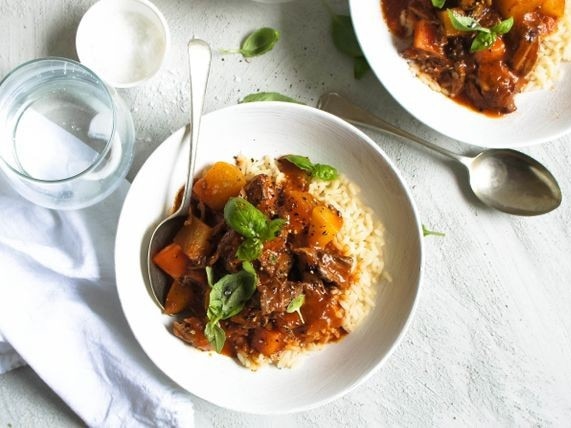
(481, 52)
(276, 257)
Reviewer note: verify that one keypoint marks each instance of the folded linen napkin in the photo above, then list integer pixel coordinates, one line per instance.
(60, 313)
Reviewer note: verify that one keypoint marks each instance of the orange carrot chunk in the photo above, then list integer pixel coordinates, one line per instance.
(172, 260)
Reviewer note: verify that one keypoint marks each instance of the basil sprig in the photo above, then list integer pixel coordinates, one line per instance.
(227, 298)
(321, 171)
(268, 96)
(438, 3)
(486, 37)
(252, 224)
(295, 306)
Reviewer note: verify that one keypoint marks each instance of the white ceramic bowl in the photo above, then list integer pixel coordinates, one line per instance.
(274, 129)
(541, 115)
(124, 41)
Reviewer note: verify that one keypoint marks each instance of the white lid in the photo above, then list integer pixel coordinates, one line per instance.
(123, 41)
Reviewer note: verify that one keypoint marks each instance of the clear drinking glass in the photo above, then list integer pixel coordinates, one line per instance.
(66, 138)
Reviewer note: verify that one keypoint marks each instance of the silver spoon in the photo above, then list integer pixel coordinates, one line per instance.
(199, 58)
(504, 179)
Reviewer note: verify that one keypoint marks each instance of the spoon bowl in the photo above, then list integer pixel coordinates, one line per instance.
(199, 57)
(513, 182)
(504, 179)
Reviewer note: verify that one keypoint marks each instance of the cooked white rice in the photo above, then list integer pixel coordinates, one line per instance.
(361, 238)
(554, 50)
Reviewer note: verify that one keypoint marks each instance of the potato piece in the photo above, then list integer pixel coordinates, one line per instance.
(496, 52)
(220, 182)
(298, 205)
(425, 38)
(267, 342)
(553, 8)
(324, 224)
(172, 260)
(518, 8)
(178, 298)
(194, 239)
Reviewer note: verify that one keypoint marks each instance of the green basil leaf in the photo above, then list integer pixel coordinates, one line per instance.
(302, 162)
(245, 218)
(229, 295)
(252, 224)
(213, 313)
(438, 3)
(503, 27)
(324, 172)
(268, 96)
(360, 67)
(249, 249)
(464, 23)
(259, 42)
(215, 335)
(482, 41)
(344, 37)
(427, 232)
(215, 304)
(248, 267)
(295, 304)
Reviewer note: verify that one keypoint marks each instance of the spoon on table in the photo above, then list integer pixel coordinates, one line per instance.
(504, 179)
(199, 57)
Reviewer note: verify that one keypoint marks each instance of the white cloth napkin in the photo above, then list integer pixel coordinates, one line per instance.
(60, 313)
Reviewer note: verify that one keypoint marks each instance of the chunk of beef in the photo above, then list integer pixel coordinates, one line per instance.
(422, 9)
(330, 267)
(495, 88)
(262, 193)
(250, 317)
(226, 251)
(531, 29)
(276, 259)
(450, 75)
(275, 296)
(452, 80)
(191, 330)
(275, 264)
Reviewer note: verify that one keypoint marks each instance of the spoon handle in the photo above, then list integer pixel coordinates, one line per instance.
(335, 104)
(199, 58)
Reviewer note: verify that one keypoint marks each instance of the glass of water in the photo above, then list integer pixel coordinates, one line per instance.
(66, 138)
